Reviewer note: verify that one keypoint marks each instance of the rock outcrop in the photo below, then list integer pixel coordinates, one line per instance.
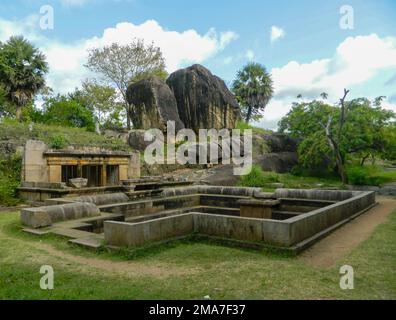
(280, 162)
(153, 104)
(282, 154)
(203, 99)
(279, 142)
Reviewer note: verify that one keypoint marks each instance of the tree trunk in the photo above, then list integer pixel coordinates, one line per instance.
(18, 113)
(249, 114)
(128, 122)
(364, 160)
(341, 170)
(128, 114)
(336, 150)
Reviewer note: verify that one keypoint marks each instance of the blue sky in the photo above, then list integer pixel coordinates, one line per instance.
(310, 54)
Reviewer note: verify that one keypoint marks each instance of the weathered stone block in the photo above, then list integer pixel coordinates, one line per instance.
(46, 216)
(78, 183)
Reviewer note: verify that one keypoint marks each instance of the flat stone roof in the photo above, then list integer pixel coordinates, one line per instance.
(83, 153)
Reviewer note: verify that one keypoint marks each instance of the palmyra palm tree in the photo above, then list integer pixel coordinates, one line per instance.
(22, 71)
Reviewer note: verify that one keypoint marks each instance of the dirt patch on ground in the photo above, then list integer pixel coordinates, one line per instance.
(328, 251)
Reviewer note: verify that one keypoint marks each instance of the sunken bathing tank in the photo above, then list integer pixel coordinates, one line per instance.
(151, 210)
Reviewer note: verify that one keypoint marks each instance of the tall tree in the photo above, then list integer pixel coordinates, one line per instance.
(336, 140)
(253, 88)
(332, 134)
(22, 71)
(119, 65)
(101, 99)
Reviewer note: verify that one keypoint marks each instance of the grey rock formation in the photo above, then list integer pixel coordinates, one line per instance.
(153, 104)
(280, 162)
(203, 99)
(136, 140)
(279, 142)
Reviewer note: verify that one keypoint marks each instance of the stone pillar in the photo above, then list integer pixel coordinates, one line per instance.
(123, 171)
(79, 169)
(34, 162)
(104, 175)
(134, 166)
(55, 173)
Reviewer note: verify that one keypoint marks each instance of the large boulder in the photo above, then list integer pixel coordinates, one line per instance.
(203, 99)
(281, 162)
(279, 142)
(137, 142)
(153, 104)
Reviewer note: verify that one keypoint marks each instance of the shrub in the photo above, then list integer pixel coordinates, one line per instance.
(58, 141)
(258, 178)
(10, 179)
(367, 175)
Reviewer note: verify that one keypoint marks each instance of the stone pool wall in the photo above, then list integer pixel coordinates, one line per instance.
(289, 233)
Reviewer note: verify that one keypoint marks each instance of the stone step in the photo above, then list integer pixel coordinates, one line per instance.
(89, 242)
(71, 233)
(36, 232)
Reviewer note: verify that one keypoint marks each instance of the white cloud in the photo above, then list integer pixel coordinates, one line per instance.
(277, 33)
(66, 60)
(178, 48)
(250, 55)
(24, 27)
(357, 60)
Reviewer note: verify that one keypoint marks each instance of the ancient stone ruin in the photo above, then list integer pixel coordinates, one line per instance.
(97, 197)
(49, 173)
(153, 211)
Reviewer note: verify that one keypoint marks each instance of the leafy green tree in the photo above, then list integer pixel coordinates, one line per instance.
(101, 99)
(120, 65)
(303, 123)
(366, 131)
(253, 88)
(64, 111)
(389, 151)
(22, 71)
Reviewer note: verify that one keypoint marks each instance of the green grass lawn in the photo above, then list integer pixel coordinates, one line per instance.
(264, 179)
(189, 270)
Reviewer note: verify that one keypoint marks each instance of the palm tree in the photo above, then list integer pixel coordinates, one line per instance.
(22, 71)
(253, 89)
(324, 95)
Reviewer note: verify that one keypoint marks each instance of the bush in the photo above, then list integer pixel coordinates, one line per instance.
(59, 142)
(369, 175)
(10, 179)
(258, 178)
